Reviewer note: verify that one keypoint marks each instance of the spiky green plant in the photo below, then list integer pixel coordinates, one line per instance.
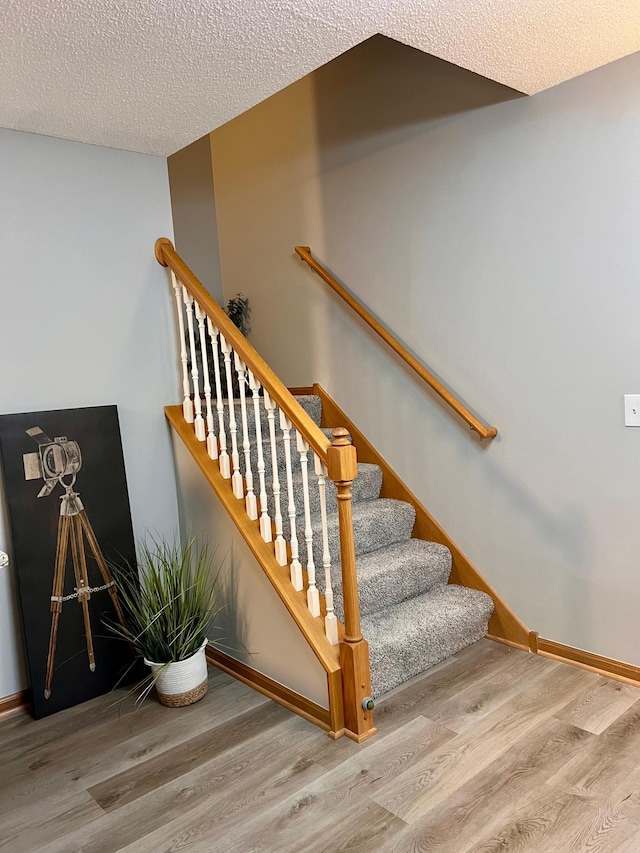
(168, 613)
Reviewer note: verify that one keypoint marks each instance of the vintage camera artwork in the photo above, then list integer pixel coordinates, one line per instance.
(53, 460)
(58, 461)
(60, 555)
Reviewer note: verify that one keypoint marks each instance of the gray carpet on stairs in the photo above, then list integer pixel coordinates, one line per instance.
(365, 488)
(376, 524)
(296, 469)
(393, 574)
(411, 616)
(312, 406)
(409, 637)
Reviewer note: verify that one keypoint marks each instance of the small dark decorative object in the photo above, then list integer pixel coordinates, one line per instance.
(239, 312)
(61, 557)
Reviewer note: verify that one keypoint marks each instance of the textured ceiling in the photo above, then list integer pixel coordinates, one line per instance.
(154, 75)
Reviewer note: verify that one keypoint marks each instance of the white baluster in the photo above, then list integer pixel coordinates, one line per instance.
(296, 568)
(187, 403)
(330, 621)
(223, 457)
(251, 503)
(199, 420)
(280, 545)
(265, 521)
(212, 444)
(236, 478)
(313, 598)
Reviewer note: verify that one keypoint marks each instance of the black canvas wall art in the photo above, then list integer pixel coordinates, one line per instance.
(69, 515)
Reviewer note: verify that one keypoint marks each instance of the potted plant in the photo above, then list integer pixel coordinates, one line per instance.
(168, 614)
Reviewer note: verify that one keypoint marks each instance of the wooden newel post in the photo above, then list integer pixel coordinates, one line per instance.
(342, 468)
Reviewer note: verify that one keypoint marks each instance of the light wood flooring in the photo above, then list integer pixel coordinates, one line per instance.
(494, 750)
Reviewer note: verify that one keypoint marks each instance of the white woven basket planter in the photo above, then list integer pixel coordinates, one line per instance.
(181, 682)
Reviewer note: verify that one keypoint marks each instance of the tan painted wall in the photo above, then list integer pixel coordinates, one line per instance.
(497, 236)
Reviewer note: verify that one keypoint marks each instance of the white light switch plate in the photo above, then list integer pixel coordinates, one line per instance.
(632, 409)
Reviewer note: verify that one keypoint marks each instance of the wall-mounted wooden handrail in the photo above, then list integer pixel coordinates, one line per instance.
(168, 257)
(483, 431)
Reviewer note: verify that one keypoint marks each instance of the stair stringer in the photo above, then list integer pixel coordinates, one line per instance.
(504, 625)
(311, 628)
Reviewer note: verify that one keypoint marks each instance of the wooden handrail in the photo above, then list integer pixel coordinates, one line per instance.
(483, 431)
(168, 257)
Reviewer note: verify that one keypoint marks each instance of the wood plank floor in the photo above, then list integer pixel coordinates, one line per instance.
(493, 750)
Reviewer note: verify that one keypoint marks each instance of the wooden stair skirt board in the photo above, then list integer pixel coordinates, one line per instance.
(332, 720)
(14, 702)
(504, 625)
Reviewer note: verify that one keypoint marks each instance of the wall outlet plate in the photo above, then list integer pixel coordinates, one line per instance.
(632, 409)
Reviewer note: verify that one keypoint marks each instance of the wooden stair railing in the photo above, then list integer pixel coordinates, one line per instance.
(477, 426)
(211, 350)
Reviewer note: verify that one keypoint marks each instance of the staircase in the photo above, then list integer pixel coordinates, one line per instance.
(411, 616)
(376, 588)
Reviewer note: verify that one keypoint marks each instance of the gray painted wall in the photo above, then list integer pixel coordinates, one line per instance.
(193, 207)
(497, 236)
(85, 317)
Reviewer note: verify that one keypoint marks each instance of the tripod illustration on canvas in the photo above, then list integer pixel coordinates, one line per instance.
(54, 461)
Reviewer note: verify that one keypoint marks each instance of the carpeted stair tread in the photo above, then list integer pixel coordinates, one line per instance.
(394, 574)
(376, 524)
(366, 487)
(312, 405)
(266, 452)
(309, 402)
(408, 638)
